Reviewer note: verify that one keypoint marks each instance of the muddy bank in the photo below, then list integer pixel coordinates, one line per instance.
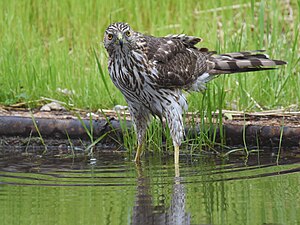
(17, 127)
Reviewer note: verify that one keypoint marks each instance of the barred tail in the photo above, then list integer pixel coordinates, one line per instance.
(238, 62)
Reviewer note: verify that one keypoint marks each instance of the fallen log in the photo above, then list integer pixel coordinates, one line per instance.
(59, 127)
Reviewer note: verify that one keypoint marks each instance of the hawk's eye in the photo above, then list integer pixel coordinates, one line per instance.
(128, 34)
(110, 36)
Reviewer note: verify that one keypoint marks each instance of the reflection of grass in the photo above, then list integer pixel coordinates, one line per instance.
(40, 55)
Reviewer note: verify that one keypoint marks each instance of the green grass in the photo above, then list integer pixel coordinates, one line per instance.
(46, 45)
(50, 45)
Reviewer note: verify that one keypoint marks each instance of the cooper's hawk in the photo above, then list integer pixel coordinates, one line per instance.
(152, 73)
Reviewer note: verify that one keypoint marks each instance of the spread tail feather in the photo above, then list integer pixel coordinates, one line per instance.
(235, 62)
(238, 62)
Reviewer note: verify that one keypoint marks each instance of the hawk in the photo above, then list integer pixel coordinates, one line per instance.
(153, 72)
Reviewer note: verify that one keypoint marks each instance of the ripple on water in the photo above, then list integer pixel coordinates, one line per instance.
(19, 168)
(113, 190)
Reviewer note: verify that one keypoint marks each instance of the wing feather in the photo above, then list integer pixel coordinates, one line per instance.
(177, 61)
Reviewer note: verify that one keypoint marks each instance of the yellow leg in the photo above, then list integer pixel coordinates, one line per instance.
(177, 172)
(138, 154)
(176, 154)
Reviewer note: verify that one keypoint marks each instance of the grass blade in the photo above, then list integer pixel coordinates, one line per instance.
(103, 78)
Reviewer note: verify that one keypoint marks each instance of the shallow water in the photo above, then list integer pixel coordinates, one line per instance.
(55, 189)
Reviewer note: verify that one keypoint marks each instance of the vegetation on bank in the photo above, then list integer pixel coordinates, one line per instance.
(53, 49)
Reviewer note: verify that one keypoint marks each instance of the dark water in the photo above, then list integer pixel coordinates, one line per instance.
(55, 189)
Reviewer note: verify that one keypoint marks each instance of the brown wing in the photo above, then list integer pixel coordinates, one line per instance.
(177, 61)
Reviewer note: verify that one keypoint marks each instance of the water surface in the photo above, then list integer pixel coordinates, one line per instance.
(38, 188)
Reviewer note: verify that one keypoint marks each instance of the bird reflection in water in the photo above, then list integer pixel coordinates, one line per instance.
(144, 212)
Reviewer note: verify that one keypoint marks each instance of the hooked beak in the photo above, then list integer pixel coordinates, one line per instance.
(120, 38)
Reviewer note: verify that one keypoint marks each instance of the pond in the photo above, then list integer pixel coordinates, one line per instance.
(38, 188)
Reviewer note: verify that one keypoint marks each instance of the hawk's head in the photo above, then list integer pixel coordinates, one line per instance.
(119, 37)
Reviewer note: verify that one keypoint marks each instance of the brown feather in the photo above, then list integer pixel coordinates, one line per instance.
(237, 62)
